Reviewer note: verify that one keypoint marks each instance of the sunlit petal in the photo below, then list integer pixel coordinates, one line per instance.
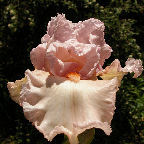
(60, 105)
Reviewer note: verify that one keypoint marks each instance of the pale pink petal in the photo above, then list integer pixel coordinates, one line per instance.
(92, 60)
(37, 56)
(90, 31)
(63, 106)
(72, 56)
(57, 67)
(60, 62)
(115, 69)
(45, 38)
(105, 53)
(56, 98)
(15, 89)
(60, 28)
(72, 47)
(133, 65)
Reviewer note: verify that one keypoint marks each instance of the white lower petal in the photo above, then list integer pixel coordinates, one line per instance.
(63, 106)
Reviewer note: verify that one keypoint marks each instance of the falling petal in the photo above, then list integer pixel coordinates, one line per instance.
(15, 89)
(60, 105)
(133, 65)
(115, 69)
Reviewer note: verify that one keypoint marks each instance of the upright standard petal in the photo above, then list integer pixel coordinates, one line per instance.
(72, 47)
(60, 105)
(90, 31)
(60, 28)
(72, 57)
(37, 56)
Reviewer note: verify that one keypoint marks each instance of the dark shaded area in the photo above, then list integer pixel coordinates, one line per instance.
(23, 23)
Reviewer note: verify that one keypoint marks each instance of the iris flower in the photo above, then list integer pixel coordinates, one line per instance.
(63, 94)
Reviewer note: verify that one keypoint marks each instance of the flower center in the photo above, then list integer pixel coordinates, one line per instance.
(73, 76)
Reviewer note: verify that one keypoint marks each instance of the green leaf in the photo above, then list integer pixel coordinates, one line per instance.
(85, 138)
(66, 141)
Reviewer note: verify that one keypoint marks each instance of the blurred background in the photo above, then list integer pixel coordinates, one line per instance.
(24, 22)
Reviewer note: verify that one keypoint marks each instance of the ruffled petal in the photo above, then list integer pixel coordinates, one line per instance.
(60, 28)
(57, 67)
(45, 38)
(60, 105)
(37, 56)
(105, 53)
(133, 65)
(115, 69)
(57, 98)
(72, 47)
(15, 88)
(72, 56)
(90, 31)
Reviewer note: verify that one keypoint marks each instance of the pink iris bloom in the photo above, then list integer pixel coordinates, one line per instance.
(63, 93)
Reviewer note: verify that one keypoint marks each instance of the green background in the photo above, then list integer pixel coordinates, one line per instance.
(24, 22)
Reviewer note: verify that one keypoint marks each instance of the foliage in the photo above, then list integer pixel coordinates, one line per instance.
(23, 23)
